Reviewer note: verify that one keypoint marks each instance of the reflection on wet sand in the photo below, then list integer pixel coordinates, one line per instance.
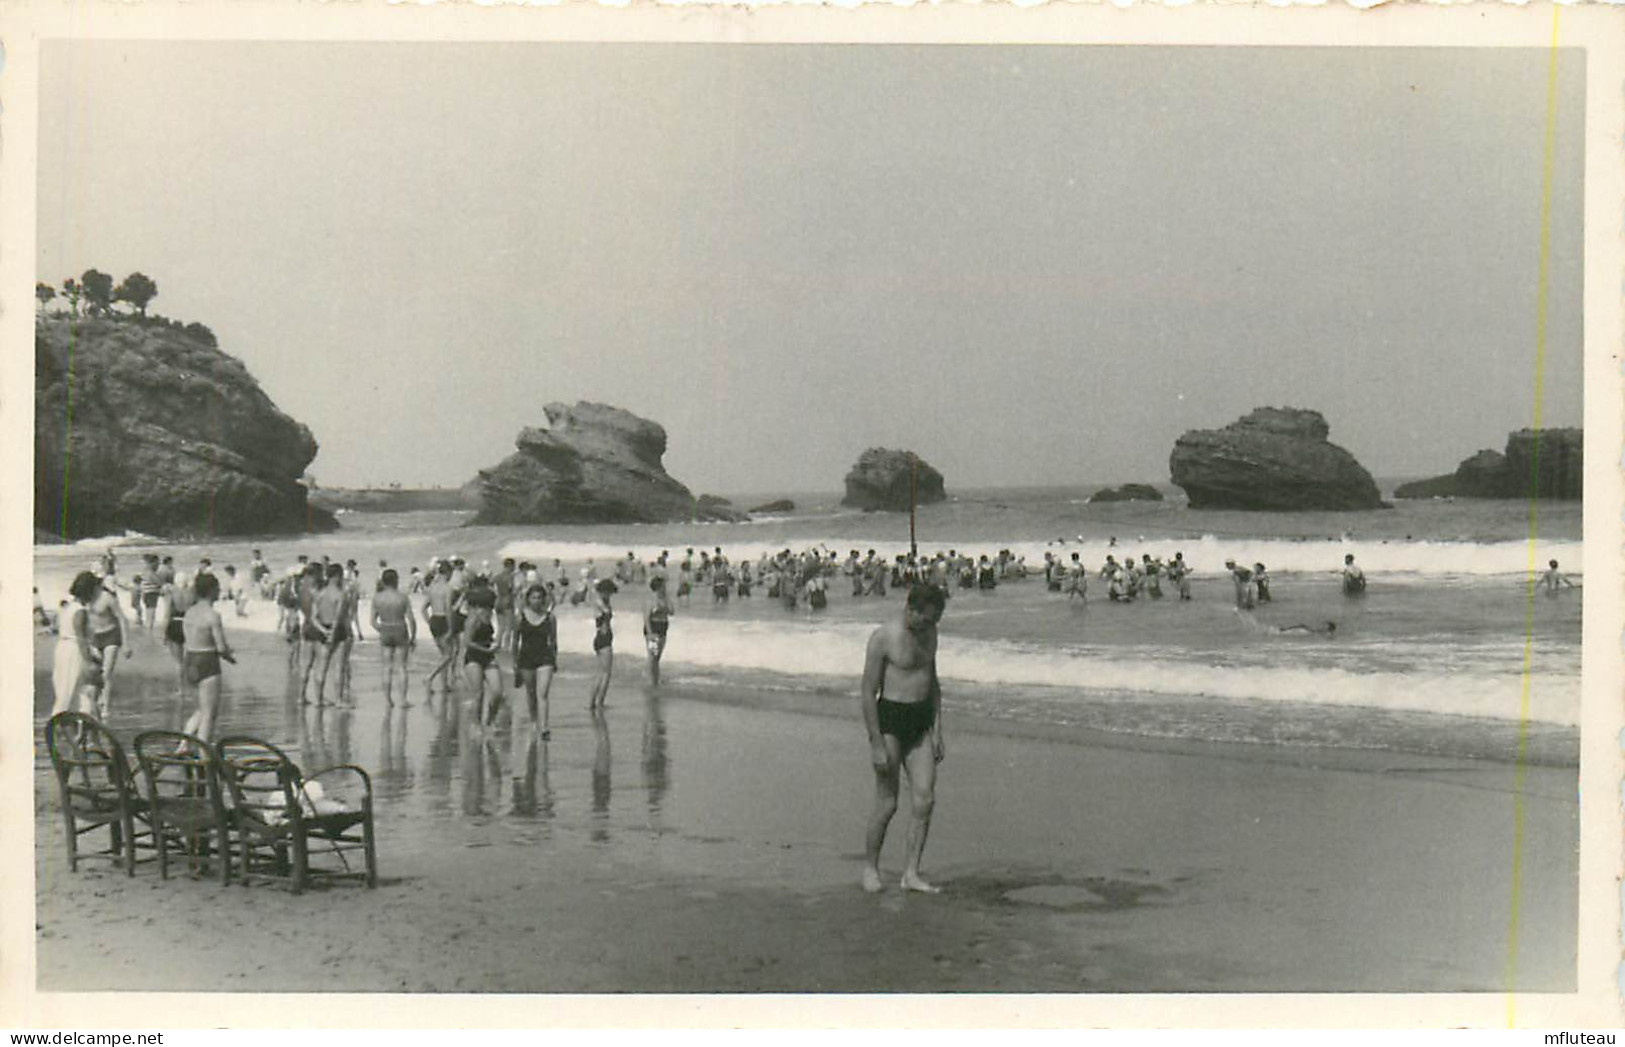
(600, 776)
(431, 766)
(532, 786)
(393, 775)
(656, 777)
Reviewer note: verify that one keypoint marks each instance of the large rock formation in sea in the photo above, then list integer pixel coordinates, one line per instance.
(1554, 470)
(592, 464)
(1127, 493)
(1274, 458)
(143, 426)
(881, 479)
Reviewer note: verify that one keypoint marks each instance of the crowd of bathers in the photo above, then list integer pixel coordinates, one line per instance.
(473, 615)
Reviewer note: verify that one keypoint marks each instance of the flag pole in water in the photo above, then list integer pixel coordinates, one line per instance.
(913, 483)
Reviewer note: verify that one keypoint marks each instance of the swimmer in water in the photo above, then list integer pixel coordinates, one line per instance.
(1553, 579)
(1329, 628)
(1179, 572)
(1353, 577)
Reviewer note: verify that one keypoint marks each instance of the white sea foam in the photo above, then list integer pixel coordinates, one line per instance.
(1398, 560)
(837, 650)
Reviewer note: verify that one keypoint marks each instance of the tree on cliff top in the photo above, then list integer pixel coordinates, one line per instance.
(98, 290)
(44, 292)
(138, 289)
(71, 290)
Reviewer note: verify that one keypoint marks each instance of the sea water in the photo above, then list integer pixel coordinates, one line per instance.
(1446, 653)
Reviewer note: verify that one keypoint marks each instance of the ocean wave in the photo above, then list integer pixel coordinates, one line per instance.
(837, 649)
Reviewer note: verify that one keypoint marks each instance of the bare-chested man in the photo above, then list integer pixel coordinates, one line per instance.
(397, 632)
(1552, 579)
(902, 709)
(437, 612)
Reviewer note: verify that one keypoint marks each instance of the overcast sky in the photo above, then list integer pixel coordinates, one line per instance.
(1028, 264)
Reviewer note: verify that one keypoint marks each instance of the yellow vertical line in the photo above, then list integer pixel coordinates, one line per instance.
(1542, 286)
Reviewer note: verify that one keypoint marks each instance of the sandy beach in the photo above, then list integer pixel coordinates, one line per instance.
(709, 839)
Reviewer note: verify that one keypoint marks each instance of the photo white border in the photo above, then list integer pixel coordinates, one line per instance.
(1601, 30)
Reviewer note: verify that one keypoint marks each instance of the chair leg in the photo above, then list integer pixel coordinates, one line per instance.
(371, 853)
(73, 837)
(301, 863)
(161, 839)
(129, 844)
(223, 855)
(242, 840)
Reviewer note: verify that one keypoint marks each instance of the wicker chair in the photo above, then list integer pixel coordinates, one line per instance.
(184, 801)
(95, 787)
(284, 830)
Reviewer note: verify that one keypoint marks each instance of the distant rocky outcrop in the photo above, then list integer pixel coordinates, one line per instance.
(1275, 458)
(881, 480)
(1556, 470)
(592, 464)
(1127, 493)
(151, 428)
(393, 499)
(783, 505)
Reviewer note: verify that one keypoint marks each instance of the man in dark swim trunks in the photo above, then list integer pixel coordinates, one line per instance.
(397, 631)
(902, 709)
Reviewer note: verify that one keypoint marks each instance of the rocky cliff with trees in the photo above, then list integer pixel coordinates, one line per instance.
(142, 423)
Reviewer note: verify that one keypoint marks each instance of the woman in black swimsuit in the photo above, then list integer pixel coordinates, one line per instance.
(480, 657)
(536, 651)
(603, 641)
(656, 620)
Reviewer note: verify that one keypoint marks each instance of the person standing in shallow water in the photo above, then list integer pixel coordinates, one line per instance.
(206, 647)
(603, 641)
(109, 632)
(1553, 579)
(657, 612)
(396, 629)
(536, 654)
(901, 701)
(76, 672)
(1353, 577)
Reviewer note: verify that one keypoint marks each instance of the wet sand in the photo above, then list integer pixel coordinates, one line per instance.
(709, 840)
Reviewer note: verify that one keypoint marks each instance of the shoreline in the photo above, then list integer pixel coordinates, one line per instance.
(705, 843)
